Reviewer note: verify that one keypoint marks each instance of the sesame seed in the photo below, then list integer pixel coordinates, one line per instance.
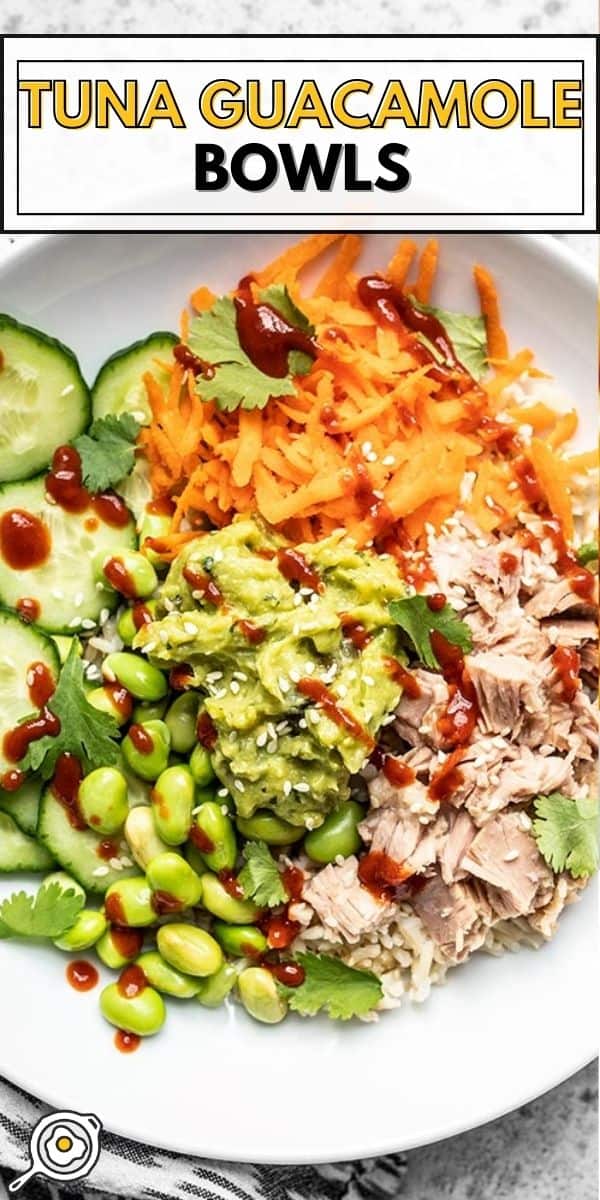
(302, 723)
(287, 787)
(234, 687)
(368, 679)
(220, 694)
(372, 457)
(115, 863)
(100, 871)
(75, 623)
(189, 627)
(297, 600)
(238, 785)
(87, 623)
(301, 787)
(511, 856)
(214, 676)
(272, 747)
(284, 684)
(126, 861)
(78, 599)
(224, 810)
(240, 675)
(261, 740)
(309, 667)
(388, 461)
(295, 676)
(222, 792)
(271, 730)
(367, 447)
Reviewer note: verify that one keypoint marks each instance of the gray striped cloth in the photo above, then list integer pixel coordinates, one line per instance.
(129, 1169)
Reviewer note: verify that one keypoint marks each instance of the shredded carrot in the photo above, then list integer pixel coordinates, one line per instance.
(202, 299)
(426, 272)
(490, 309)
(399, 265)
(371, 440)
(184, 324)
(336, 274)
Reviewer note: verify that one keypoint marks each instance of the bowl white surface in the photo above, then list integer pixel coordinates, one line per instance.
(216, 1084)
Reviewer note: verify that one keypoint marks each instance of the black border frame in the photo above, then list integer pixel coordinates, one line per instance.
(152, 37)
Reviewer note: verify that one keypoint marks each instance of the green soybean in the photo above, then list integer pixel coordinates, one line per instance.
(189, 949)
(153, 525)
(149, 710)
(143, 1014)
(214, 990)
(338, 835)
(85, 932)
(195, 859)
(141, 679)
(264, 826)
(260, 996)
(217, 900)
(103, 700)
(172, 804)
(212, 828)
(151, 764)
(171, 874)
(142, 579)
(241, 941)
(162, 976)
(141, 836)
(126, 626)
(103, 799)
(111, 953)
(129, 902)
(201, 766)
(181, 721)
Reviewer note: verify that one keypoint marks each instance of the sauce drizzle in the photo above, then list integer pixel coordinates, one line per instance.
(265, 335)
(321, 695)
(82, 975)
(24, 540)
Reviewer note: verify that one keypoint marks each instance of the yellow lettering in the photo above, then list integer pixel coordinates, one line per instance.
(161, 106)
(230, 112)
(33, 89)
(433, 108)
(308, 106)
(565, 105)
(108, 100)
(338, 103)
(83, 115)
(479, 97)
(394, 105)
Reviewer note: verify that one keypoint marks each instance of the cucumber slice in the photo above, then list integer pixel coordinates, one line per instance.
(118, 387)
(23, 805)
(65, 585)
(20, 646)
(75, 849)
(42, 396)
(19, 852)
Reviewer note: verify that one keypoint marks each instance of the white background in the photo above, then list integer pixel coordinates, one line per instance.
(128, 178)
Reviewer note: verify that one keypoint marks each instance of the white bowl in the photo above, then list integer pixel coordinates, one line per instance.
(216, 1084)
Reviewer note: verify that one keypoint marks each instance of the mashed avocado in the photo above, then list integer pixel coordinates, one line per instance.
(290, 647)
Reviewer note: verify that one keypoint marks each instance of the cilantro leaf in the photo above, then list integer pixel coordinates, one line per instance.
(419, 621)
(236, 382)
(467, 334)
(260, 878)
(342, 991)
(587, 553)
(84, 731)
(48, 914)
(279, 298)
(107, 451)
(566, 832)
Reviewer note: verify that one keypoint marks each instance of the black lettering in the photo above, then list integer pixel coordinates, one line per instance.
(387, 159)
(238, 163)
(209, 162)
(310, 165)
(352, 184)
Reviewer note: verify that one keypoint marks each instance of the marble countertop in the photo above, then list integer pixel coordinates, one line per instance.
(546, 1150)
(315, 16)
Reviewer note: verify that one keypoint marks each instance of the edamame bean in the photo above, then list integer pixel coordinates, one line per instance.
(242, 941)
(201, 766)
(260, 997)
(214, 990)
(149, 710)
(143, 1013)
(153, 525)
(141, 679)
(181, 721)
(195, 859)
(213, 833)
(88, 928)
(172, 804)
(103, 799)
(129, 902)
(147, 752)
(65, 882)
(141, 836)
(138, 574)
(102, 698)
(126, 626)
(266, 827)
(189, 949)
(162, 976)
(171, 876)
(117, 948)
(217, 900)
(338, 835)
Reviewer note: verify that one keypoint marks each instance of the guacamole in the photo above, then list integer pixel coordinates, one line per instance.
(291, 649)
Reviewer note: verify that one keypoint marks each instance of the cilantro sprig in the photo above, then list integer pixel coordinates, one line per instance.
(107, 451)
(467, 334)
(330, 985)
(236, 382)
(418, 621)
(84, 730)
(566, 832)
(48, 914)
(260, 878)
